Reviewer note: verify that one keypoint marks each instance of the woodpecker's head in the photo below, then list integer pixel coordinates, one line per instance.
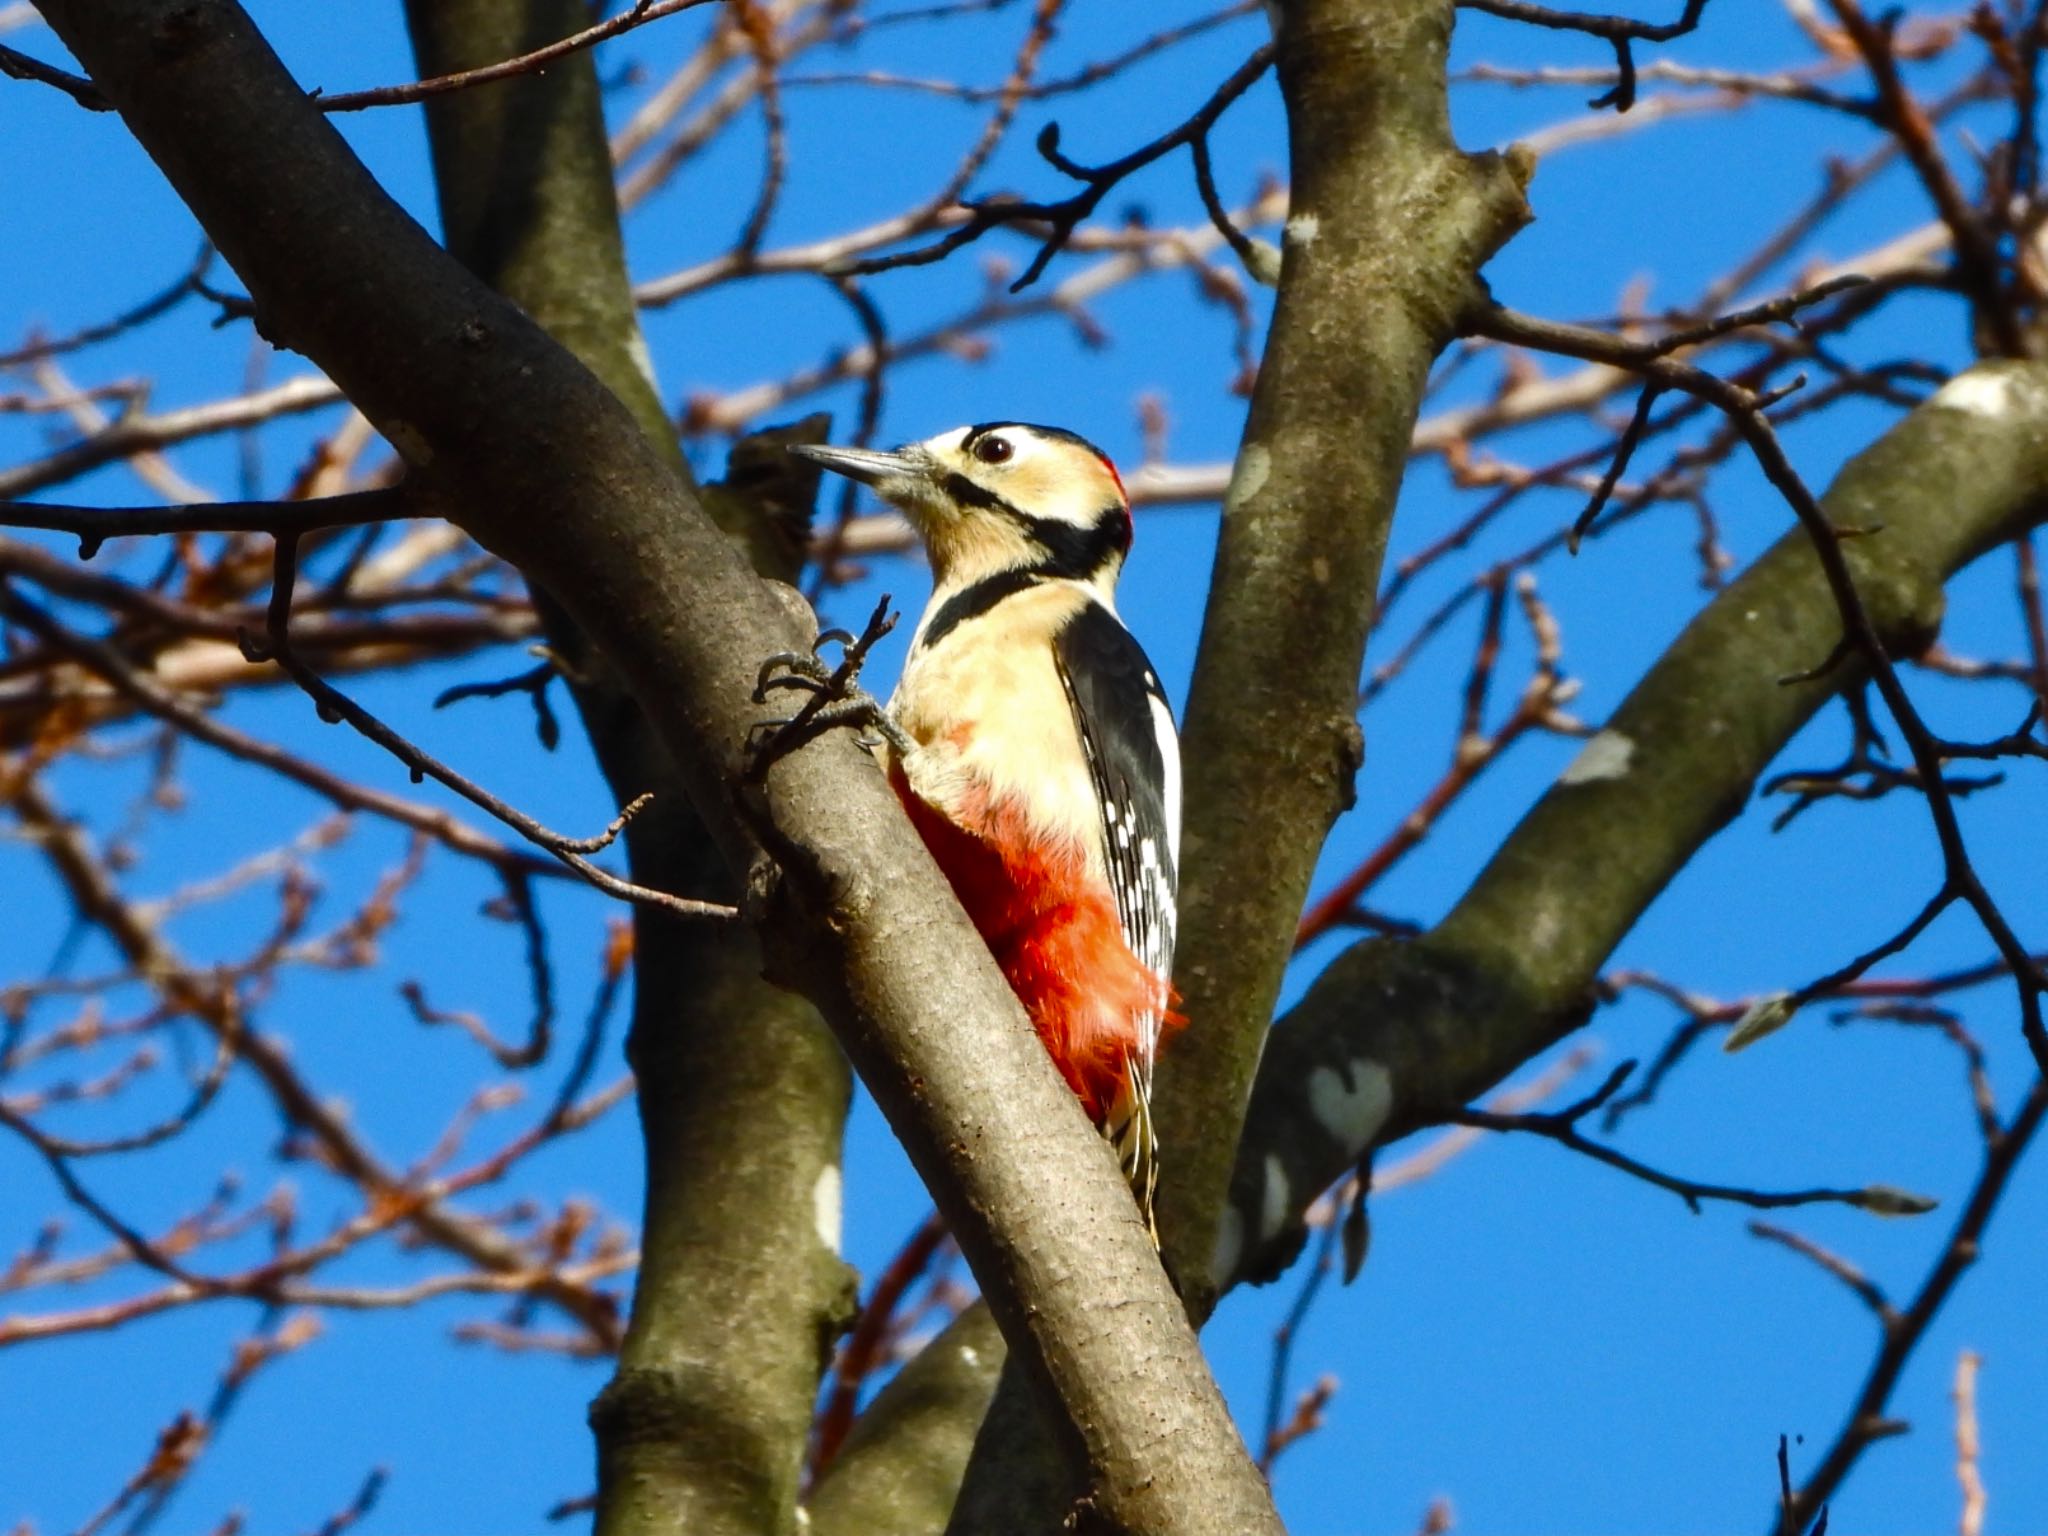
(1004, 496)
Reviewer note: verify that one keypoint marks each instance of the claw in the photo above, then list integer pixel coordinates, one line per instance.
(807, 670)
(836, 698)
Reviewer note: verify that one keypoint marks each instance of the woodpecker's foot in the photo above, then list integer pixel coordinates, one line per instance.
(835, 695)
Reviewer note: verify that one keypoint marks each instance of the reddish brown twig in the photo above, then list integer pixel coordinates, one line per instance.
(1540, 707)
(1968, 1450)
(1306, 1419)
(865, 1347)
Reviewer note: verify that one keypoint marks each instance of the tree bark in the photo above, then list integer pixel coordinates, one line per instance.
(741, 1089)
(901, 1466)
(1388, 226)
(551, 472)
(1394, 1033)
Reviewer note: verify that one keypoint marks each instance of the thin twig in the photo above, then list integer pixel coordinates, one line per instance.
(93, 526)
(1562, 1127)
(334, 706)
(1098, 181)
(1620, 31)
(1968, 1449)
(638, 15)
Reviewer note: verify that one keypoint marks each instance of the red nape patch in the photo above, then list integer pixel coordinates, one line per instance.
(1110, 465)
(1130, 526)
(1055, 935)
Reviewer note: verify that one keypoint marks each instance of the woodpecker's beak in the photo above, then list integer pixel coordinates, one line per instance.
(904, 477)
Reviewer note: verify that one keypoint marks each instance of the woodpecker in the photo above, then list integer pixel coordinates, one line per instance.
(1035, 752)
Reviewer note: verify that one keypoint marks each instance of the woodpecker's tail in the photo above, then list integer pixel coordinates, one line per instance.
(1129, 1129)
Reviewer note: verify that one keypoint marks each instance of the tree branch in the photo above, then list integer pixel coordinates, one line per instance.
(93, 526)
(742, 1090)
(1064, 216)
(476, 396)
(1272, 738)
(21, 66)
(1622, 32)
(532, 61)
(1390, 223)
(1393, 1033)
(1901, 1332)
(1562, 1127)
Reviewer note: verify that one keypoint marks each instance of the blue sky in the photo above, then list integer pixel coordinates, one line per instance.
(1551, 1347)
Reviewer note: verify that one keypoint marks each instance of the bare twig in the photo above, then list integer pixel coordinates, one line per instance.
(1561, 1126)
(1620, 31)
(334, 706)
(639, 14)
(1866, 1421)
(1098, 181)
(1861, 1285)
(21, 66)
(93, 526)
(1971, 1522)
(157, 304)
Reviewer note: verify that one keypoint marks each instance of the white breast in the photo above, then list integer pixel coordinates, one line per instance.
(992, 720)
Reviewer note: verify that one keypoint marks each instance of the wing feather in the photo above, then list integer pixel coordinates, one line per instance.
(1133, 755)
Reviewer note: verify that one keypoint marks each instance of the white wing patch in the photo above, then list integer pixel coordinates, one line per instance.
(1169, 754)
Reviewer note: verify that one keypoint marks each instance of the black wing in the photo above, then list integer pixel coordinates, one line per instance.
(1127, 733)
(1133, 756)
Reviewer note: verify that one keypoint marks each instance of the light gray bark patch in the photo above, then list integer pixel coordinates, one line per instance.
(1980, 392)
(1606, 756)
(1353, 1104)
(1248, 477)
(1229, 1246)
(1273, 1204)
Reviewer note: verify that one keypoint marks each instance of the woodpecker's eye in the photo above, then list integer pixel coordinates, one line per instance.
(994, 450)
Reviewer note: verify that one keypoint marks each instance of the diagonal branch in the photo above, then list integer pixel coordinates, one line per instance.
(1391, 1034)
(1390, 223)
(478, 398)
(17, 65)
(1272, 740)
(742, 1091)
(532, 62)
(1745, 410)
